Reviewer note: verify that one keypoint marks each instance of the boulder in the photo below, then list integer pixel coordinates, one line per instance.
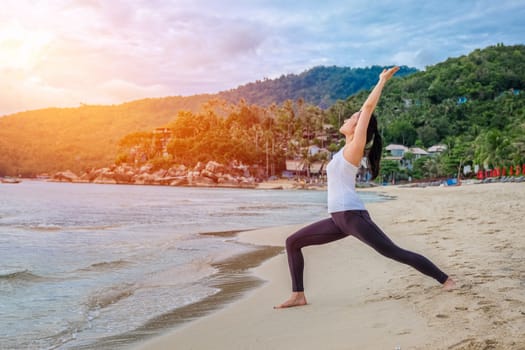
(247, 182)
(209, 174)
(105, 176)
(179, 181)
(145, 168)
(165, 180)
(227, 181)
(200, 181)
(65, 176)
(144, 179)
(123, 176)
(177, 171)
(199, 167)
(214, 167)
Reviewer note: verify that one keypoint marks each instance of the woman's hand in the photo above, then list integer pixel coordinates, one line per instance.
(386, 74)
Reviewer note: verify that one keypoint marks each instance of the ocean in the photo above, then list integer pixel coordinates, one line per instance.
(80, 263)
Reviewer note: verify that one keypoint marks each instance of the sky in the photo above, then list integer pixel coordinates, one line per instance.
(64, 53)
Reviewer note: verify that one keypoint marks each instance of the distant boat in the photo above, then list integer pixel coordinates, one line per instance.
(10, 180)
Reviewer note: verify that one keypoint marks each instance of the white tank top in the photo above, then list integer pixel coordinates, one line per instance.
(341, 185)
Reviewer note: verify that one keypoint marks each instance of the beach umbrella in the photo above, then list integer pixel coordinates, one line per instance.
(503, 171)
(511, 171)
(480, 175)
(518, 170)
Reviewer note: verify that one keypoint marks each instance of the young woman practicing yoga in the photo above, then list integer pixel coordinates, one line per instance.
(348, 216)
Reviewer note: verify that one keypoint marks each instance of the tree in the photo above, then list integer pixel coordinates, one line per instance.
(433, 168)
(388, 170)
(401, 131)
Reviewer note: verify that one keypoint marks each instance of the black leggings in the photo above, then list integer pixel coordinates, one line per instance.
(358, 224)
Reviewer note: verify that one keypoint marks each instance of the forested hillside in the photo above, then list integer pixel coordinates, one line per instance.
(77, 138)
(475, 104)
(320, 86)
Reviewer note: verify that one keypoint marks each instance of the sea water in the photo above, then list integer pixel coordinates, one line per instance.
(79, 262)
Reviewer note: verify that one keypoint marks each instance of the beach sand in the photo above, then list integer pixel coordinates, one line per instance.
(361, 300)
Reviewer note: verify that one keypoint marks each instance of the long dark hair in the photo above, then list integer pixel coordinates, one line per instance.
(376, 149)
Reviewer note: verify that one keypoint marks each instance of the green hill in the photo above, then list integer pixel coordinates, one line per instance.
(320, 86)
(56, 139)
(464, 95)
(473, 103)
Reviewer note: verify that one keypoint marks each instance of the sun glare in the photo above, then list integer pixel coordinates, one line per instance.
(21, 48)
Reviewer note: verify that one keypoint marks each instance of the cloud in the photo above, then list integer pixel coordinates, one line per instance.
(114, 51)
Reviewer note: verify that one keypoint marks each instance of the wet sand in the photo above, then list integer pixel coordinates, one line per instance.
(361, 300)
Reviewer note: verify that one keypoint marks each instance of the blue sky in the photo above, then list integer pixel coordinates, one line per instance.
(60, 53)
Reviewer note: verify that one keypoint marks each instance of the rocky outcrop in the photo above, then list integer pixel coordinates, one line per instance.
(65, 176)
(211, 174)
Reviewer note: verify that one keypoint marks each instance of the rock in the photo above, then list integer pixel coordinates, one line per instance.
(145, 169)
(179, 181)
(160, 173)
(209, 174)
(65, 176)
(201, 181)
(144, 179)
(226, 182)
(214, 167)
(247, 182)
(199, 167)
(105, 176)
(165, 180)
(177, 171)
(105, 179)
(123, 175)
(85, 178)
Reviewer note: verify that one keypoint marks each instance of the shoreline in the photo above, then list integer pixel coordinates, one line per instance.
(358, 299)
(233, 279)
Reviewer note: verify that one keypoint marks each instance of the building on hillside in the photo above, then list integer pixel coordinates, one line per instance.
(437, 149)
(300, 168)
(396, 150)
(314, 165)
(313, 150)
(418, 152)
(398, 154)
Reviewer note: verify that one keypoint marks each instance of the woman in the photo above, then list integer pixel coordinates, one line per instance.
(347, 211)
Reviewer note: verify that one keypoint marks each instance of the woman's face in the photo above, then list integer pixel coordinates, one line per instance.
(348, 127)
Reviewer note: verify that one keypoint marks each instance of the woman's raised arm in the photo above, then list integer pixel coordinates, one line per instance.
(357, 145)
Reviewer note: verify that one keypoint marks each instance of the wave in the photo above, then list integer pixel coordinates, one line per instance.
(42, 228)
(56, 228)
(111, 295)
(106, 265)
(94, 228)
(264, 207)
(22, 276)
(235, 214)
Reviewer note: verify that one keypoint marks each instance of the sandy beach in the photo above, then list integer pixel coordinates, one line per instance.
(361, 300)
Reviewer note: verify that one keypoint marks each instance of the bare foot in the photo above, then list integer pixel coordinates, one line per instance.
(297, 299)
(449, 285)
